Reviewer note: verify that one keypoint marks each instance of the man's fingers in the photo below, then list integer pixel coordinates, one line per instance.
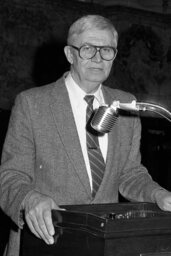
(163, 199)
(44, 229)
(31, 226)
(48, 222)
(38, 227)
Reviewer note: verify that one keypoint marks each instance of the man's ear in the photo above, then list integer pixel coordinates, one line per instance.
(68, 54)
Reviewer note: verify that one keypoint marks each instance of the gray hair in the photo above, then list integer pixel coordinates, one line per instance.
(88, 22)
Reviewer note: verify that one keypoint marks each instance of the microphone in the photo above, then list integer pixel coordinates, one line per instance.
(106, 116)
(104, 119)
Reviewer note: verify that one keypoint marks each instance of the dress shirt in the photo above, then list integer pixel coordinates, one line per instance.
(79, 107)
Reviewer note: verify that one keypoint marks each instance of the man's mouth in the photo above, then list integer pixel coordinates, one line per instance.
(96, 68)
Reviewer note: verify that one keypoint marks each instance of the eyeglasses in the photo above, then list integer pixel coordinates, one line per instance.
(88, 51)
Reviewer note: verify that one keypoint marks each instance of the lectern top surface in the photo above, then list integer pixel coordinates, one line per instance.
(109, 220)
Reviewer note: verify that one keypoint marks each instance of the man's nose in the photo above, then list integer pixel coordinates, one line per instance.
(97, 56)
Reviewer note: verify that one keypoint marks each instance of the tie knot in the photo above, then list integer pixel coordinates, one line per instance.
(89, 99)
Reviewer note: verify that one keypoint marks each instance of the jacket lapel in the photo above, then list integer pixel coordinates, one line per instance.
(64, 120)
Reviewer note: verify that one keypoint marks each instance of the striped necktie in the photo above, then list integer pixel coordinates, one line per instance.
(96, 160)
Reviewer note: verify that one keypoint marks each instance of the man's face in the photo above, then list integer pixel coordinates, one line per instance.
(90, 73)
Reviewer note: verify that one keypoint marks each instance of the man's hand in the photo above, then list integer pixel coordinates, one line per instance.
(38, 216)
(163, 199)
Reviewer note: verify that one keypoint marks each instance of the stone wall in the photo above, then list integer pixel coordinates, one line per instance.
(33, 34)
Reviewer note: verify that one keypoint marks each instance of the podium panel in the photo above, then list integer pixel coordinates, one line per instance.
(124, 229)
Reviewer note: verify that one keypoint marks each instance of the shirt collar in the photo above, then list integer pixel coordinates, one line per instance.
(78, 94)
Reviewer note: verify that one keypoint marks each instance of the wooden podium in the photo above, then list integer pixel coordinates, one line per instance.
(125, 229)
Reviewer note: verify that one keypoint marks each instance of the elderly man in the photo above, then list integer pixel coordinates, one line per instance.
(51, 157)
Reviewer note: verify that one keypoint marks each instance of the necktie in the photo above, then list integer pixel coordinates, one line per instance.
(97, 163)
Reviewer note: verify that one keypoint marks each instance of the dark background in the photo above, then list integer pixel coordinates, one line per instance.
(33, 34)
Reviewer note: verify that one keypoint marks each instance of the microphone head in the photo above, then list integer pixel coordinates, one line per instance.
(104, 119)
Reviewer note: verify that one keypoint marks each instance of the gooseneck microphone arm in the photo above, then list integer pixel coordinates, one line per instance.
(106, 116)
(143, 106)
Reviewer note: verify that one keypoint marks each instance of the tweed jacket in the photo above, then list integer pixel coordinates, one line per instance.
(42, 152)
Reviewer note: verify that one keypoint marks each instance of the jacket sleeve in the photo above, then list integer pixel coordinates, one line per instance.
(17, 163)
(136, 184)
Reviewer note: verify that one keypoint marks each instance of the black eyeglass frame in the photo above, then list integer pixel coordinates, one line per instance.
(98, 49)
